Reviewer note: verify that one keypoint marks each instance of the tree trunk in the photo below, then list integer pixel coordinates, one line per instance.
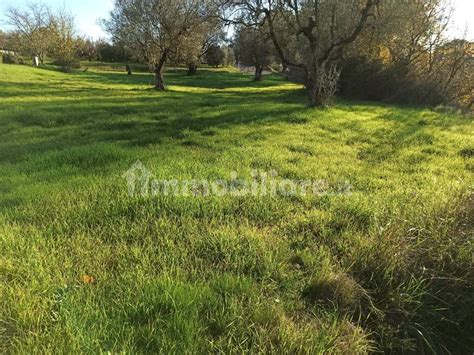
(314, 96)
(159, 82)
(314, 92)
(258, 73)
(192, 68)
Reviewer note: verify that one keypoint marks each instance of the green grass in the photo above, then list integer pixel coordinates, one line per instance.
(388, 267)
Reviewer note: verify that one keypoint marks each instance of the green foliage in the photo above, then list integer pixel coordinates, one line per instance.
(10, 59)
(110, 53)
(253, 47)
(387, 268)
(215, 56)
(366, 79)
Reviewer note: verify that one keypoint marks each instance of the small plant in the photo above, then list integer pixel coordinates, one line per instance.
(327, 86)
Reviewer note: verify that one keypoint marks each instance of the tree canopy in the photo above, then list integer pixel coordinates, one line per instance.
(157, 30)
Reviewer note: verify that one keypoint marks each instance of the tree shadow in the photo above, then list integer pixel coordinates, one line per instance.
(205, 78)
(85, 114)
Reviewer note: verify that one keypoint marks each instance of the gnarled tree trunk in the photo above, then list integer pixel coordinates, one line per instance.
(159, 82)
(313, 87)
(321, 84)
(314, 94)
(192, 68)
(317, 92)
(258, 73)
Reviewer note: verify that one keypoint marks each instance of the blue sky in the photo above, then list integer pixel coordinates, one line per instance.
(87, 12)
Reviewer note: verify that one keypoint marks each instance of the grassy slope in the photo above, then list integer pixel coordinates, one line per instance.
(388, 267)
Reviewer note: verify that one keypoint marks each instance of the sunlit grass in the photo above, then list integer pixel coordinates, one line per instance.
(388, 267)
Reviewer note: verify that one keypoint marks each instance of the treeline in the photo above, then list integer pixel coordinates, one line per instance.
(47, 34)
(17, 51)
(40, 32)
(371, 49)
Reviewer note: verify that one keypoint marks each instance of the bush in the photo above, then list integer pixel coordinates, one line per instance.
(10, 59)
(366, 79)
(112, 53)
(215, 56)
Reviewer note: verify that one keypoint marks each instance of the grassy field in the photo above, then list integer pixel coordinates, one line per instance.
(84, 267)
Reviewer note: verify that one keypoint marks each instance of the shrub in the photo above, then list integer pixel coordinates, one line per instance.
(215, 56)
(112, 53)
(328, 83)
(10, 59)
(369, 79)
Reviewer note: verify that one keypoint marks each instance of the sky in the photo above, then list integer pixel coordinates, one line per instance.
(87, 12)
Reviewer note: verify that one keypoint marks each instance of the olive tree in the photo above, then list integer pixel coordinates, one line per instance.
(195, 46)
(64, 43)
(308, 35)
(253, 49)
(156, 30)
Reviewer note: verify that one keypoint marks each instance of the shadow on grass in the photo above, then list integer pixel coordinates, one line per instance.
(205, 78)
(83, 114)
